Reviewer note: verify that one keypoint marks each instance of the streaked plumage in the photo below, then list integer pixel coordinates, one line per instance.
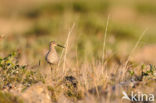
(52, 57)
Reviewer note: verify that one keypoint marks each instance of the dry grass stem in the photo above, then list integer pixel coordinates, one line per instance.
(104, 41)
(131, 53)
(66, 46)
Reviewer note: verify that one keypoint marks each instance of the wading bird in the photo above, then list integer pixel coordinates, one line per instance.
(52, 56)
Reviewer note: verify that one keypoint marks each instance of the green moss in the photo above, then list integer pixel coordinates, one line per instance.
(52, 93)
(71, 88)
(11, 73)
(9, 98)
(55, 92)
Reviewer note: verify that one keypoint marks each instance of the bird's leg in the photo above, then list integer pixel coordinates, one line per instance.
(51, 68)
(53, 72)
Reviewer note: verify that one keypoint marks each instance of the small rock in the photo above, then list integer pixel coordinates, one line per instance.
(37, 93)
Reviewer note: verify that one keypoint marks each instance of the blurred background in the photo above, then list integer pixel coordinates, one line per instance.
(29, 25)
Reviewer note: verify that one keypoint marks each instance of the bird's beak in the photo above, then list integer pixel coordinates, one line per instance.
(60, 46)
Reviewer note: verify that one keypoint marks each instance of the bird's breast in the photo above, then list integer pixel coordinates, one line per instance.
(52, 58)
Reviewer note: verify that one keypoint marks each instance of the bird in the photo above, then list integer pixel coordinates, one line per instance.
(52, 56)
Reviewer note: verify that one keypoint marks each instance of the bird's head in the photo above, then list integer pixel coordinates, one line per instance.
(54, 44)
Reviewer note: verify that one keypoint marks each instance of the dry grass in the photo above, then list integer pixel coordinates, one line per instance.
(132, 51)
(77, 82)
